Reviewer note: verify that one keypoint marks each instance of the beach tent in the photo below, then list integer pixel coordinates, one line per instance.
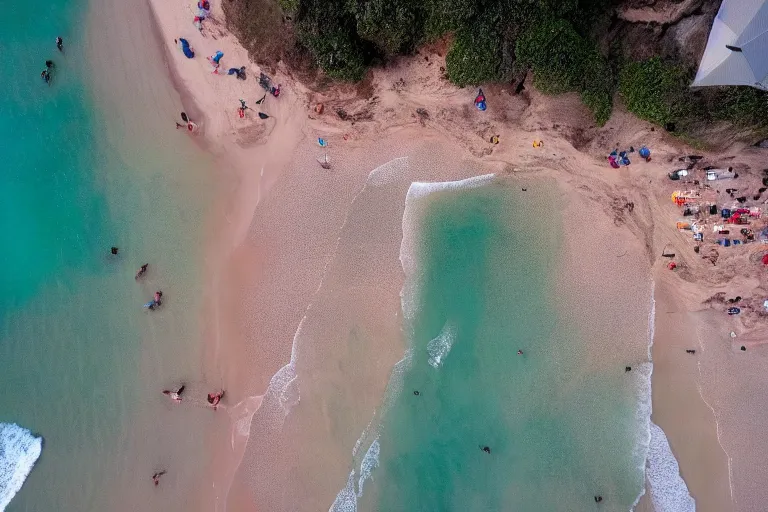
(737, 49)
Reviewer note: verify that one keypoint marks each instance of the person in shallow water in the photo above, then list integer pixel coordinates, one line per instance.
(156, 476)
(142, 270)
(175, 395)
(215, 398)
(487, 449)
(598, 499)
(114, 250)
(155, 302)
(59, 43)
(46, 76)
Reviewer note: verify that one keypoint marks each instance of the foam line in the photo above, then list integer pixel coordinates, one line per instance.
(19, 450)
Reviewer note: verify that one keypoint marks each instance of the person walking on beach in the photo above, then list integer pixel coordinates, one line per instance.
(175, 395)
(60, 43)
(156, 477)
(242, 109)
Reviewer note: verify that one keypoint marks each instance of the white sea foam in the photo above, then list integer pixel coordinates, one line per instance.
(668, 490)
(369, 463)
(19, 450)
(669, 493)
(439, 347)
(644, 399)
(346, 500)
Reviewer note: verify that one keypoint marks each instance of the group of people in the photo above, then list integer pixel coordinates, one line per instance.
(213, 399)
(49, 66)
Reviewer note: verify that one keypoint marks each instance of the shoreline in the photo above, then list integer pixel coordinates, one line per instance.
(589, 178)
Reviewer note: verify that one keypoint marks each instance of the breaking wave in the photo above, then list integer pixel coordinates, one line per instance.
(669, 493)
(19, 450)
(439, 347)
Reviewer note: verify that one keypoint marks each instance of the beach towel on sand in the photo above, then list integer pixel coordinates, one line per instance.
(188, 51)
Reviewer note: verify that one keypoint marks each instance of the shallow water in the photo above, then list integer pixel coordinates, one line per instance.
(81, 362)
(480, 269)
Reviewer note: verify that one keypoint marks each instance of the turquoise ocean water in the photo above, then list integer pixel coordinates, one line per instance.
(480, 264)
(73, 184)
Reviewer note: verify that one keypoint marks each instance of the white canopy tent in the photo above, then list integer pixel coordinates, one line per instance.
(737, 49)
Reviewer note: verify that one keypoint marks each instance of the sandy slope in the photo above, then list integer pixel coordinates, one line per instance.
(280, 223)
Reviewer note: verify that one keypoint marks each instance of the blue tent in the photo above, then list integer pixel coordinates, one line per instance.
(186, 48)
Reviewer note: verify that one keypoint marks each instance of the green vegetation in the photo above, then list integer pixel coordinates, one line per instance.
(475, 57)
(494, 41)
(656, 91)
(659, 91)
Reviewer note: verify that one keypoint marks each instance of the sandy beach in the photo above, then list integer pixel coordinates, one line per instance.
(281, 255)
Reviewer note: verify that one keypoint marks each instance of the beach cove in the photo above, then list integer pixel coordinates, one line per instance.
(323, 299)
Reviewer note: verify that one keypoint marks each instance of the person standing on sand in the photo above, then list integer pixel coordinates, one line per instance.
(175, 395)
(156, 477)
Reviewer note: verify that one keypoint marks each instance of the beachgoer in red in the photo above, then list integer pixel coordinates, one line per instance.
(215, 398)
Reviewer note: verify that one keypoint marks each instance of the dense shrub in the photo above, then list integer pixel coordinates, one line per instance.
(327, 29)
(393, 25)
(744, 106)
(338, 54)
(553, 51)
(443, 16)
(597, 86)
(475, 55)
(657, 91)
(561, 60)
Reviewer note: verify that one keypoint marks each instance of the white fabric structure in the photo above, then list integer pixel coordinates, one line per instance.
(737, 49)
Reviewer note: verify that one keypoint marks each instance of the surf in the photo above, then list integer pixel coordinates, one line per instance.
(19, 451)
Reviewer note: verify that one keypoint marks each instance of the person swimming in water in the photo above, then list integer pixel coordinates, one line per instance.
(60, 43)
(156, 477)
(155, 302)
(175, 395)
(142, 270)
(215, 398)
